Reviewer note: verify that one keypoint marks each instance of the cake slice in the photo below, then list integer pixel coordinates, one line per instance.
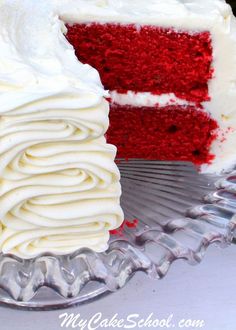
(170, 67)
(60, 187)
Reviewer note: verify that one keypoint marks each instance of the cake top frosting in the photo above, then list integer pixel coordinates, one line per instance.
(111, 9)
(36, 58)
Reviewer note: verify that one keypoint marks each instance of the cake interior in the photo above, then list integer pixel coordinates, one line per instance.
(149, 59)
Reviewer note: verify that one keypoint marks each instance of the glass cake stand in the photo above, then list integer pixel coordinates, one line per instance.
(172, 212)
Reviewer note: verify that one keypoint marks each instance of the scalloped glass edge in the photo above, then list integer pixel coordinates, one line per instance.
(180, 213)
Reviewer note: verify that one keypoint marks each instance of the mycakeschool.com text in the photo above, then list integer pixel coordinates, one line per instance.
(131, 321)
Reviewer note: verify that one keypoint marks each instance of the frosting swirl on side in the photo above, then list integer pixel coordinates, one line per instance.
(58, 197)
(59, 186)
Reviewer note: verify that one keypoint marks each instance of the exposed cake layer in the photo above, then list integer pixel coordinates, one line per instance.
(146, 58)
(166, 133)
(194, 17)
(156, 76)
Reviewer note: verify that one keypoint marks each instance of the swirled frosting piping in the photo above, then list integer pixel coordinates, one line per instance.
(59, 186)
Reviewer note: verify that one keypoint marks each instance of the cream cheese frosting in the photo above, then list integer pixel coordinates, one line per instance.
(60, 187)
(147, 99)
(214, 16)
(169, 12)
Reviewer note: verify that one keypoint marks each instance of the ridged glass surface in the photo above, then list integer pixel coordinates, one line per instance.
(180, 213)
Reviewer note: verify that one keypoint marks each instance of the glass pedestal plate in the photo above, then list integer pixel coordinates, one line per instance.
(172, 212)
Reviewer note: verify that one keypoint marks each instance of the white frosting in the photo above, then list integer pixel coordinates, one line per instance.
(158, 12)
(147, 99)
(193, 15)
(59, 184)
(59, 196)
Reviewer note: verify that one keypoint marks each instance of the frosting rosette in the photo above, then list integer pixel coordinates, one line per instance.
(60, 187)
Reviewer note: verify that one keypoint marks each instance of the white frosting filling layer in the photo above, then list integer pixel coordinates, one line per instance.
(59, 184)
(214, 16)
(147, 99)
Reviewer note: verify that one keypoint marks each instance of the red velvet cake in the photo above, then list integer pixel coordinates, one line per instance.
(163, 71)
(145, 60)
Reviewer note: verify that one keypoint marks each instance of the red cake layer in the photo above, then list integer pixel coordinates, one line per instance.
(146, 59)
(156, 60)
(169, 133)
